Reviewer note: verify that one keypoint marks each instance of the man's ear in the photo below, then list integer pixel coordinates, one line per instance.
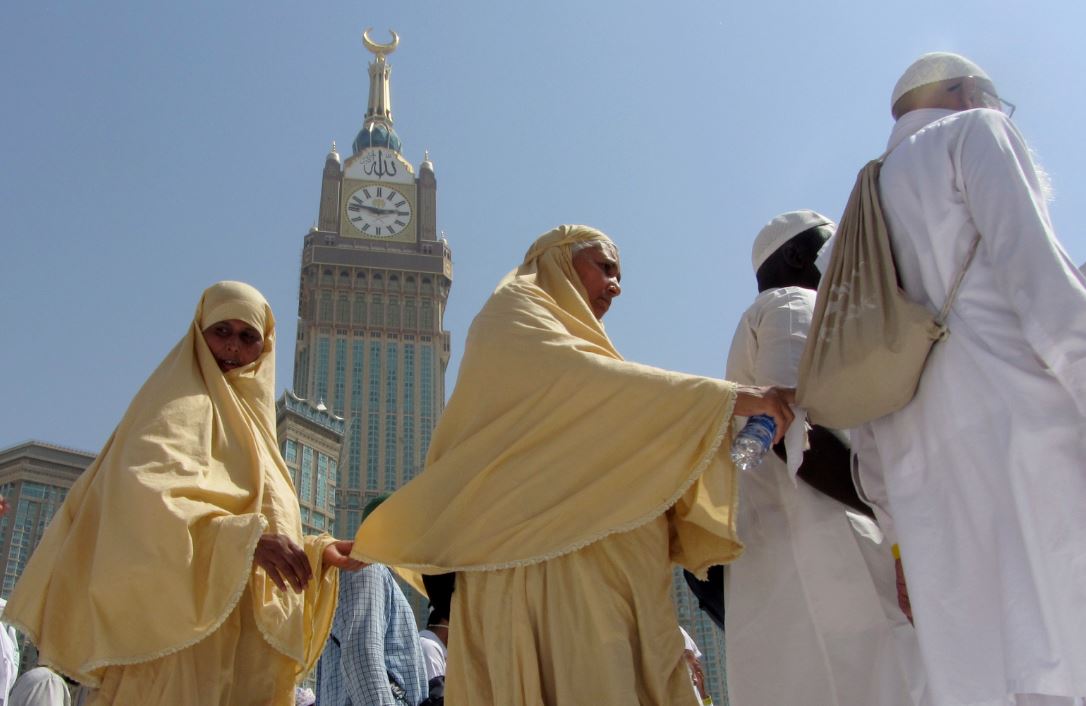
(794, 254)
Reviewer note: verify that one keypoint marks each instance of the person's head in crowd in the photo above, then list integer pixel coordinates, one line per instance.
(373, 504)
(945, 80)
(786, 248)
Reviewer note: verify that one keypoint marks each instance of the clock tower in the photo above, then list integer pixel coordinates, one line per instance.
(375, 279)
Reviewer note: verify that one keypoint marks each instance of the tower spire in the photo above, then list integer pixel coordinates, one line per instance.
(377, 130)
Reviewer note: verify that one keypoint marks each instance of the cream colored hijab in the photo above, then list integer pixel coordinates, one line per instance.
(551, 441)
(153, 546)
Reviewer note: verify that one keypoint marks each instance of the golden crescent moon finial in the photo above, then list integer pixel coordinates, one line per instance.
(380, 49)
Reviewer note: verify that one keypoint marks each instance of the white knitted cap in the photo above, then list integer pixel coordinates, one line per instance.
(782, 229)
(936, 66)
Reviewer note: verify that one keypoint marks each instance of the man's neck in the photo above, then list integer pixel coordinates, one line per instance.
(441, 630)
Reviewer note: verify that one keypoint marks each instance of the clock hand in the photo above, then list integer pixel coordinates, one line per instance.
(385, 211)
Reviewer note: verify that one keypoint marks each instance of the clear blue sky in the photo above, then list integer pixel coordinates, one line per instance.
(149, 149)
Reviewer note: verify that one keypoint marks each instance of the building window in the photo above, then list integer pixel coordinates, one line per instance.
(409, 378)
(326, 308)
(426, 319)
(341, 375)
(373, 419)
(290, 450)
(377, 311)
(409, 463)
(333, 474)
(426, 398)
(343, 310)
(410, 314)
(391, 359)
(393, 312)
(321, 499)
(390, 449)
(359, 310)
(301, 374)
(305, 475)
(322, 369)
(354, 456)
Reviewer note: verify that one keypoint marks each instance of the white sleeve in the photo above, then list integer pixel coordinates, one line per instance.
(1005, 198)
(782, 334)
(867, 476)
(432, 658)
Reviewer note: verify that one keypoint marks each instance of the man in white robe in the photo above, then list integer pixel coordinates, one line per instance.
(810, 606)
(9, 655)
(40, 686)
(983, 471)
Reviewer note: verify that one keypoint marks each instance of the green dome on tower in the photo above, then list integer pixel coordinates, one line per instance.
(375, 134)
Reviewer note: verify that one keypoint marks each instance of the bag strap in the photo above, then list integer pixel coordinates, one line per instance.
(940, 320)
(945, 311)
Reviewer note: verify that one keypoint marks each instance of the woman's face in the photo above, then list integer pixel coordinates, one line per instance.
(234, 343)
(600, 274)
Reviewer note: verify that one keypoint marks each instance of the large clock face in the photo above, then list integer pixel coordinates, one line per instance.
(378, 211)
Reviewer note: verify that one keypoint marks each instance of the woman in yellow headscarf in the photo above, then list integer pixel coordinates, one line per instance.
(176, 572)
(561, 484)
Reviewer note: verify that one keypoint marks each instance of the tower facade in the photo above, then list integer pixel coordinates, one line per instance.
(35, 478)
(311, 440)
(375, 279)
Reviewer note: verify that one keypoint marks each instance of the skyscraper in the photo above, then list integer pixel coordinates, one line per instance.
(311, 439)
(375, 278)
(35, 478)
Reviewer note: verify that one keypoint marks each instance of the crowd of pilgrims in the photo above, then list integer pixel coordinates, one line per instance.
(935, 556)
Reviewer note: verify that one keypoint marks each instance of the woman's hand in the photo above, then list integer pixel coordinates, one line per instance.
(338, 554)
(284, 561)
(774, 401)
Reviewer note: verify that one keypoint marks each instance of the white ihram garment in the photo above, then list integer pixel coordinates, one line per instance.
(434, 654)
(806, 621)
(985, 470)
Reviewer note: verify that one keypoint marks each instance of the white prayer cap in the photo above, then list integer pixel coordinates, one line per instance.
(936, 66)
(782, 229)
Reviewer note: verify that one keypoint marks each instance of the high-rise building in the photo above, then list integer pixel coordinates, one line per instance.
(375, 278)
(310, 438)
(34, 478)
(706, 634)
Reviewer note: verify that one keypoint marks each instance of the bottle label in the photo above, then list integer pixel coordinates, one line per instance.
(760, 427)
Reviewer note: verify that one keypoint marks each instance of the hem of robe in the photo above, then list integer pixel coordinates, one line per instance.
(722, 431)
(91, 680)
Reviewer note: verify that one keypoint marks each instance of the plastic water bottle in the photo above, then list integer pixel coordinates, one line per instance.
(753, 442)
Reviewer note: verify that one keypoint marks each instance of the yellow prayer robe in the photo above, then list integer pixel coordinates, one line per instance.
(561, 484)
(143, 584)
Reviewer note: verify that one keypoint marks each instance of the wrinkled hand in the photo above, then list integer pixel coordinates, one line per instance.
(338, 554)
(903, 591)
(284, 562)
(774, 401)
